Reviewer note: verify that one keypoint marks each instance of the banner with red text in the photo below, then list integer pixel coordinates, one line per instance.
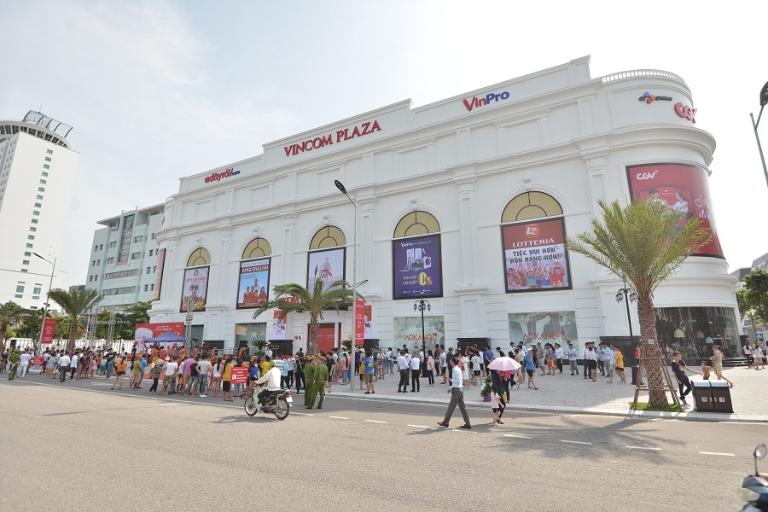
(535, 257)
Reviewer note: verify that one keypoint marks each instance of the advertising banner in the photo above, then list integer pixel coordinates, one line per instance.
(368, 321)
(360, 322)
(253, 286)
(417, 267)
(239, 375)
(406, 330)
(328, 265)
(535, 257)
(49, 330)
(554, 327)
(326, 337)
(159, 274)
(195, 288)
(143, 332)
(683, 188)
(279, 326)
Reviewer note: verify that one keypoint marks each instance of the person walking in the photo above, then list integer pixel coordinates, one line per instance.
(120, 367)
(529, 362)
(573, 355)
(415, 364)
(63, 366)
(157, 369)
(592, 362)
(457, 396)
(679, 368)
(443, 363)
(758, 356)
(618, 364)
(559, 356)
(24, 363)
(203, 370)
(300, 366)
(430, 371)
(310, 371)
(73, 364)
(402, 366)
(169, 380)
(369, 365)
(318, 384)
(226, 377)
(717, 364)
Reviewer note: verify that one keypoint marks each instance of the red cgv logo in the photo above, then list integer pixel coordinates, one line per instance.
(685, 112)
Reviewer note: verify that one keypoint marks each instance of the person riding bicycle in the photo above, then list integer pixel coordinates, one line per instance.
(272, 380)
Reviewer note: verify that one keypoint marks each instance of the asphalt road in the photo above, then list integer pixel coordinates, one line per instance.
(80, 446)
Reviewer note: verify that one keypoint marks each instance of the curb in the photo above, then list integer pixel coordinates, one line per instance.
(685, 416)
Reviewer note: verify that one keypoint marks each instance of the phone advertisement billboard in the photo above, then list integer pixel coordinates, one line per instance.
(327, 265)
(195, 289)
(253, 285)
(682, 187)
(417, 267)
(535, 256)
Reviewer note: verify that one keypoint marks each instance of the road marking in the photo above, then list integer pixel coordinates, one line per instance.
(375, 421)
(421, 426)
(574, 442)
(721, 454)
(463, 430)
(303, 413)
(517, 436)
(649, 448)
(339, 417)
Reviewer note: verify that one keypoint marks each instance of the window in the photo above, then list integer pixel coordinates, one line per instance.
(34, 221)
(138, 239)
(25, 262)
(37, 289)
(29, 246)
(93, 263)
(39, 197)
(27, 253)
(110, 260)
(152, 287)
(45, 174)
(24, 270)
(135, 255)
(42, 181)
(18, 296)
(531, 205)
(96, 247)
(19, 288)
(32, 229)
(153, 236)
(199, 257)
(98, 262)
(150, 252)
(30, 237)
(46, 166)
(36, 213)
(95, 278)
(38, 205)
(415, 224)
(146, 287)
(328, 237)
(49, 151)
(122, 273)
(112, 245)
(90, 279)
(119, 291)
(41, 189)
(47, 159)
(257, 248)
(148, 269)
(154, 269)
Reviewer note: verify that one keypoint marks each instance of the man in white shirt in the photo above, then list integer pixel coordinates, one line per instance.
(415, 364)
(390, 361)
(63, 366)
(272, 380)
(171, 366)
(24, 362)
(73, 365)
(559, 356)
(402, 366)
(591, 359)
(457, 396)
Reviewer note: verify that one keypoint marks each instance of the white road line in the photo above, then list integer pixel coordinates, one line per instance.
(721, 454)
(339, 417)
(375, 421)
(302, 413)
(421, 426)
(574, 442)
(463, 430)
(517, 436)
(649, 448)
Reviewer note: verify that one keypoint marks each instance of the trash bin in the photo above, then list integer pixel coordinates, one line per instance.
(702, 395)
(721, 396)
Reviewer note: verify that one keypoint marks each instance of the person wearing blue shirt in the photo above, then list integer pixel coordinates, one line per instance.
(457, 396)
(370, 370)
(530, 366)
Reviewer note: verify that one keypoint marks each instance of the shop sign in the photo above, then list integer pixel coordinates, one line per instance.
(685, 112)
(220, 175)
(492, 97)
(650, 98)
(331, 138)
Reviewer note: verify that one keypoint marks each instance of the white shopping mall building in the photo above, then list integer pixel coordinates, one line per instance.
(465, 202)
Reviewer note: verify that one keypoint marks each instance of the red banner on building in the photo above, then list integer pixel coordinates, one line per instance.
(49, 330)
(360, 322)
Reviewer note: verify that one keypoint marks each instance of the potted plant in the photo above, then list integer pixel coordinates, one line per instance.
(485, 392)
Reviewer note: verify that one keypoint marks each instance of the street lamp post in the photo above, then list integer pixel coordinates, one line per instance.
(339, 185)
(755, 124)
(627, 295)
(45, 304)
(188, 327)
(422, 305)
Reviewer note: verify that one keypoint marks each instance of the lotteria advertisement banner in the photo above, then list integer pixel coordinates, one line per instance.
(535, 257)
(159, 275)
(417, 267)
(49, 330)
(194, 288)
(328, 265)
(253, 286)
(683, 188)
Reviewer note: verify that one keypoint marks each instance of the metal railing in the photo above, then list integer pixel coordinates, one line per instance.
(643, 73)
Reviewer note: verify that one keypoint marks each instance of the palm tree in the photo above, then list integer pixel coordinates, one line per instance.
(644, 243)
(10, 313)
(294, 298)
(74, 302)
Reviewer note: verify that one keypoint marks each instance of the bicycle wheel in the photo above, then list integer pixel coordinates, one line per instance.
(281, 408)
(251, 407)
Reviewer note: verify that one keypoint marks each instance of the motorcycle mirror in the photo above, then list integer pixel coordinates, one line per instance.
(761, 451)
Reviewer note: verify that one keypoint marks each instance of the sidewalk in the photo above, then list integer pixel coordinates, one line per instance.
(574, 394)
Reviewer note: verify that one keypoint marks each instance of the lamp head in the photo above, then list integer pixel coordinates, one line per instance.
(340, 186)
(619, 296)
(764, 95)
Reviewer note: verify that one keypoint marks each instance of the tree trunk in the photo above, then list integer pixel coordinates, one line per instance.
(312, 341)
(2, 337)
(652, 362)
(72, 334)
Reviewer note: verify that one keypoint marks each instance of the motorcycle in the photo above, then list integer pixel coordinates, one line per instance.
(277, 403)
(754, 488)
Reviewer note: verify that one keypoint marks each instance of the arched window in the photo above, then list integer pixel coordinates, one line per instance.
(328, 237)
(417, 266)
(415, 224)
(531, 205)
(199, 258)
(533, 244)
(257, 248)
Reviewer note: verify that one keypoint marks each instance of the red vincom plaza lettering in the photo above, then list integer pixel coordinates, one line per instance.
(342, 135)
(220, 175)
(492, 97)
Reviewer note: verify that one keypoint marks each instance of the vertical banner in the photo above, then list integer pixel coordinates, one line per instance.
(279, 326)
(360, 322)
(159, 274)
(417, 268)
(683, 188)
(328, 265)
(194, 288)
(368, 321)
(49, 329)
(253, 285)
(535, 257)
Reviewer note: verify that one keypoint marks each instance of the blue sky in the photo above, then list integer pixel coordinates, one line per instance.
(157, 89)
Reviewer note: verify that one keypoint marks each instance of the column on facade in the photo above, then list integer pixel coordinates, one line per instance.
(287, 260)
(466, 188)
(221, 285)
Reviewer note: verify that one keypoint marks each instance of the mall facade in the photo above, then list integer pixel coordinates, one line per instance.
(466, 203)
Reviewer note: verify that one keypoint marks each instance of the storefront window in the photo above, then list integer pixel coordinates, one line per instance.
(693, 331)
(555, 327)
(251, 335)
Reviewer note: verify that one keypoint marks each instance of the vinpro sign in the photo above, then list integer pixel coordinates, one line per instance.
(492, 97)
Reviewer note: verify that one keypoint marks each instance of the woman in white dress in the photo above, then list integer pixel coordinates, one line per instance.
(466, 373)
